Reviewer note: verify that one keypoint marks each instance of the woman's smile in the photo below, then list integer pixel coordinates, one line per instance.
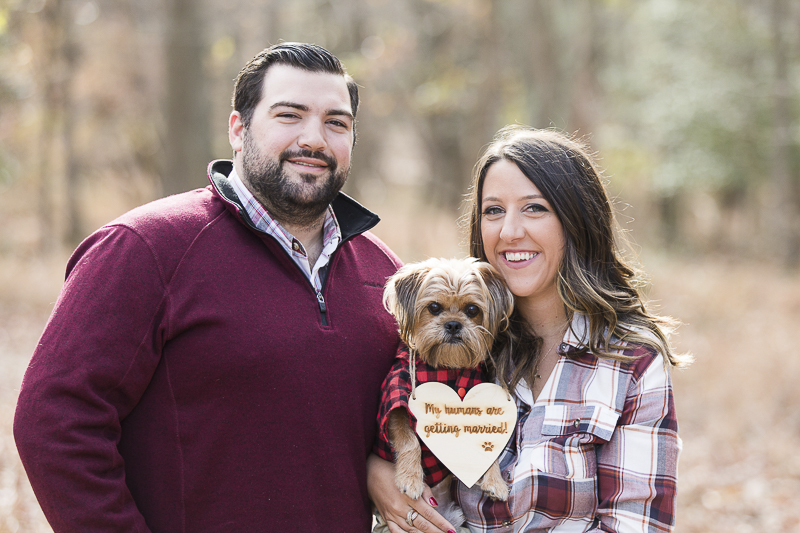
(519, 257)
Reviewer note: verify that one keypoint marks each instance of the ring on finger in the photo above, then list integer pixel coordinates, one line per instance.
(410, 516)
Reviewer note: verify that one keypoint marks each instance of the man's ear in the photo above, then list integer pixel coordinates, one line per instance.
(236, 131)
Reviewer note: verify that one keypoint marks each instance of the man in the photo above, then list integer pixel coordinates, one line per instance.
(214, 360)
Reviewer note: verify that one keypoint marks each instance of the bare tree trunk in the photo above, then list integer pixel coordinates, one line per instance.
(74, 230)
(583, 95)
(542, 70)
(439, 127)
(489, 99)
(45, 171)
(45, 167)
(188, 140)
(261, 30)
(784, 210)
(351, 17)
(55, 78)
(454, 134)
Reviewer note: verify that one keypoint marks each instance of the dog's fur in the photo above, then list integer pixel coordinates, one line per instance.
(448, 312)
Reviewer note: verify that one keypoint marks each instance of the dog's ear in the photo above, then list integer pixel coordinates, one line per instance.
(501, 300)
(400, 297)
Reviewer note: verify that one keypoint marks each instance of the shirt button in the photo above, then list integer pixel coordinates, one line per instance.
(563, 347)
(295, 246)
(508, 475)
(506, 523)
(577, 423)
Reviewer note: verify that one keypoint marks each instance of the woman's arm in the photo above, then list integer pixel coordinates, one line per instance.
(394, 506)
(637, 469)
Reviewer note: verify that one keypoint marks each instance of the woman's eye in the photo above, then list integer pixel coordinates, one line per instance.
(435, 308)
(536, 208)
(472, 310)
(492, 210)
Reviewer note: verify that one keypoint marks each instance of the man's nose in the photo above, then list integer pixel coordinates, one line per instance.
(313, 137)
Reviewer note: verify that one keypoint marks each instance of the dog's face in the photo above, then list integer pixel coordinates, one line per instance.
(449, 310)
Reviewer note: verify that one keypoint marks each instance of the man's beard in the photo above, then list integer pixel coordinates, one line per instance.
(295, 203)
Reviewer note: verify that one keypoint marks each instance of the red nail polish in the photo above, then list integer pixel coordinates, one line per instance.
(434, 503)
(450, 531)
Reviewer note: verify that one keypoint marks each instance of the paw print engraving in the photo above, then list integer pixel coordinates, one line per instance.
(488, 446)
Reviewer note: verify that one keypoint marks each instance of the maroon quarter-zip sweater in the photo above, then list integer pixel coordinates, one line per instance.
(189, 379)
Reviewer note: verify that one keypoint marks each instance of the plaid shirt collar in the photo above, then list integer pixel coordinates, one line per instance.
(331, 232)
(575, 337)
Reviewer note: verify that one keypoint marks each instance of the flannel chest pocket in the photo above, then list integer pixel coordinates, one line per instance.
(571, 433)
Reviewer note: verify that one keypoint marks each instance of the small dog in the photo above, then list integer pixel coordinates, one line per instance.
(448, 312)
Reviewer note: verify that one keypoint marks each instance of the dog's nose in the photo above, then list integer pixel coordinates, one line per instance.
(453, 327)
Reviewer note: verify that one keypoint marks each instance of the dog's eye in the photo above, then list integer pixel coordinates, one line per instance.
(435, 308)
(472, 310)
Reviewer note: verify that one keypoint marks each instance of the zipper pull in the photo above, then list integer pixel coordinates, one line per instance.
(322, 307)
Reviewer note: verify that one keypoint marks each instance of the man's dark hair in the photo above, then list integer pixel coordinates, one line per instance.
(249, 83)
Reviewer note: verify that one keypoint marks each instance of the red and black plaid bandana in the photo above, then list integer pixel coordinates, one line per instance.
(395, 391)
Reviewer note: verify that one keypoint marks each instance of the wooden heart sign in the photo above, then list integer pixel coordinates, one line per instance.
(466, 436)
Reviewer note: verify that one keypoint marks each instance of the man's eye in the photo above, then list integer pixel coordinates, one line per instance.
(472, 310)
(435, 308)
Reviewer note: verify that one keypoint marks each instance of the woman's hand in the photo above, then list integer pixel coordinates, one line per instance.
(395, 507)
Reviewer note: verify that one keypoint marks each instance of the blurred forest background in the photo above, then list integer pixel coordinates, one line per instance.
(693, 107)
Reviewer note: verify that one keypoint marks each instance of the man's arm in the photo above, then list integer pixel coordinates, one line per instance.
(93, 362)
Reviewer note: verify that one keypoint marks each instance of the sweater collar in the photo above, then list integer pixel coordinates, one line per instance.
(354, 219)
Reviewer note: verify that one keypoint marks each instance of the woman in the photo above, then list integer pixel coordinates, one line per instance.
(596, 443)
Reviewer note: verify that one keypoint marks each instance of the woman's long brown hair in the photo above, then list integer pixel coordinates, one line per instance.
(593, 278)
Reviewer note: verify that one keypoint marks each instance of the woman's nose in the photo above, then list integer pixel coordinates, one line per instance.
(512, 229)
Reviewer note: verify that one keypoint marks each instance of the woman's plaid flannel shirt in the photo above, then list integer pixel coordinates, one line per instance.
(596, 451)
(395, 391)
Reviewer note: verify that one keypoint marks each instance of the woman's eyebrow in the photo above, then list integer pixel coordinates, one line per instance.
(529, 197)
